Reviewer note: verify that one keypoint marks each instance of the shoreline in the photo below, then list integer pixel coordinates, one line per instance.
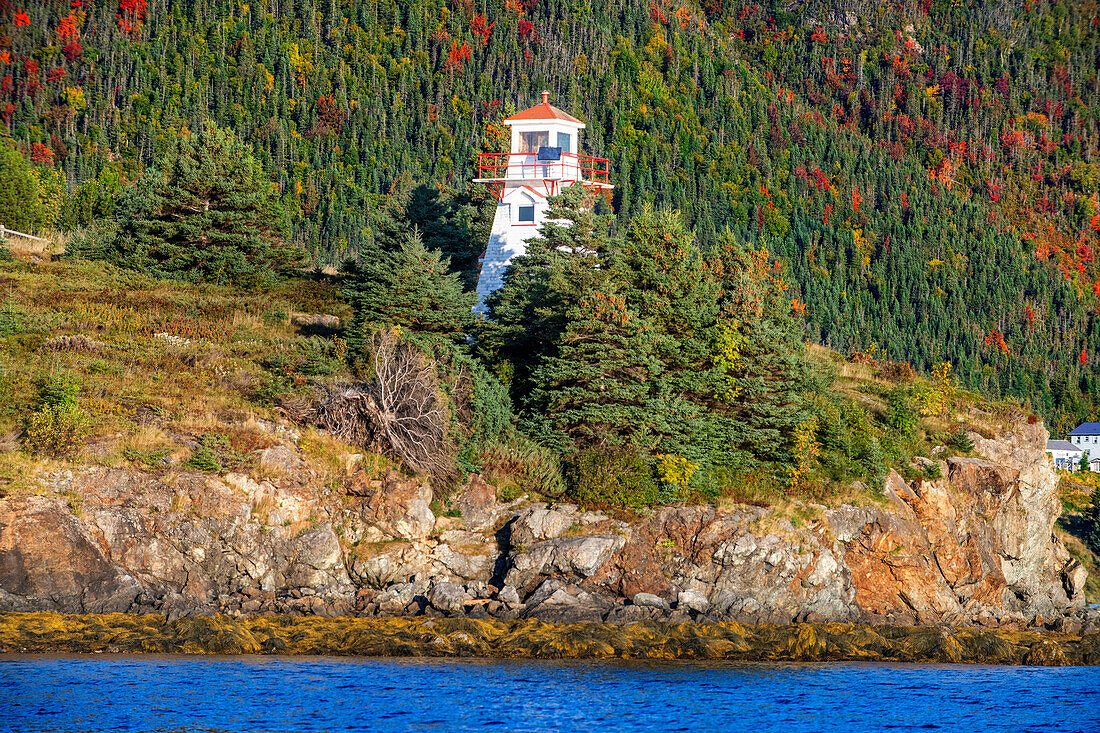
(53, 633)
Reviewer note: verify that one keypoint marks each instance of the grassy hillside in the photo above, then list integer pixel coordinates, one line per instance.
(167, 377)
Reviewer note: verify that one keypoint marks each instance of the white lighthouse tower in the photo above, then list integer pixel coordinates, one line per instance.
(544, 158)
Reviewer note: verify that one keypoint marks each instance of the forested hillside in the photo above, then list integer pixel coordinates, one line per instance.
(925, 171)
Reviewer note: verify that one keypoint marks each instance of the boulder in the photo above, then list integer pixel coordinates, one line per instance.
(648, 600)
(446, 597)
(478, 503)
(280, 459)
(394, 600)
(571, 556)
(509, 595)
(692, 600)
(397, 507)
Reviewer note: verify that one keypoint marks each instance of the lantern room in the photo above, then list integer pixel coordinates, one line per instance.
(545, 154)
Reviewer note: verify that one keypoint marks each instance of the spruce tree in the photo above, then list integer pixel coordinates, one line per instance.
(764, 366)
(442, 229)
(408, 287)
(666, 277)
(561, 267)
(19, 206)
(205, 211)
(595, 391)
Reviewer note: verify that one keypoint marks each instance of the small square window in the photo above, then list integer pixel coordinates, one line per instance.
(564, 139)
(530, 142)
(527, 213)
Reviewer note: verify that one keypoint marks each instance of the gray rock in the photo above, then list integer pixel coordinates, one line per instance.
(393, 600)
(576, 556)
(539, 523)
(648, 600)
(446, 597)
(509, 595)
(692, 600)
(281, 459)
(725, 600)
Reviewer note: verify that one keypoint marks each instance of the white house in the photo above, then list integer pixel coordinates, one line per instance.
(544, 157)
(1066, 455)
(1086, 436)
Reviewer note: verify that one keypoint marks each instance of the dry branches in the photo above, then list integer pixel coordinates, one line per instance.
(399, 411)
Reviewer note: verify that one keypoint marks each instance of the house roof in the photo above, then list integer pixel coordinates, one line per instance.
(544, 111)
(1062, 445)
(1087, 428)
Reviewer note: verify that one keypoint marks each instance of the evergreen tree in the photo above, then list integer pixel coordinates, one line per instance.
(561, 268)
(441, 229)
(595, 391)
(408, 287)
(763, 351)
(205, 212)
(666, 277)
(19, 206)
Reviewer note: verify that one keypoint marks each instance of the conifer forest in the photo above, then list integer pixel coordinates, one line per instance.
(914, 182)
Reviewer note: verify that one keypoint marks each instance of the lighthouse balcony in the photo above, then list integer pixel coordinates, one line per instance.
(549, 167)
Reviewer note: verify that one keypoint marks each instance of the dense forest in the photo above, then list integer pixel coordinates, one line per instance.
(925, 171)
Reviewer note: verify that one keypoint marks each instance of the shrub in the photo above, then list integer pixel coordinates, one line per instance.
(612, 477)
(214, 454)
(12, 320)
(92, 242)
(531, 466)
(56, 429)
(56, 390)
(901, 416)
(204, 459)
(960, 441)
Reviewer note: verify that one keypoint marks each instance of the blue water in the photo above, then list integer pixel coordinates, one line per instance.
(180, 693)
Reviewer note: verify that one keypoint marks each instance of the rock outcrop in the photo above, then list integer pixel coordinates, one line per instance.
(973, 548)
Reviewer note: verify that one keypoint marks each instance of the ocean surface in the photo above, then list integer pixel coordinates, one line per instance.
(180, 693)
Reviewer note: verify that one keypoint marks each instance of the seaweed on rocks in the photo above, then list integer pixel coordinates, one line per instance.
(463, 637)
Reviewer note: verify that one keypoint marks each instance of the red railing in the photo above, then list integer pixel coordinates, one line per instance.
(526, 166)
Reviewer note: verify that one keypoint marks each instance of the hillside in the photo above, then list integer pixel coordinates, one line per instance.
(926, 170)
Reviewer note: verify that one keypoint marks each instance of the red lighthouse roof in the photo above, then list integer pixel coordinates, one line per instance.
(544, 111)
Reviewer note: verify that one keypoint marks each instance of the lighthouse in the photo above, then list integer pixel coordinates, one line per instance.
(544, 158)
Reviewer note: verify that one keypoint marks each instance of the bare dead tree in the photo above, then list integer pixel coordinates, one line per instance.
(399, 411)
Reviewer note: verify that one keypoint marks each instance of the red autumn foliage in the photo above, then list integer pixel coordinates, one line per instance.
(41, 154)
(72, 51)
(457, 55)
(526, 30)
(482, 28)
(1083, 357)
(997, 340)
(21, 18)
(130, 16)
(67, 29)
(55, 74)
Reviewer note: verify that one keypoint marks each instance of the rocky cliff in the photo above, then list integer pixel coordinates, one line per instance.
(974, 547)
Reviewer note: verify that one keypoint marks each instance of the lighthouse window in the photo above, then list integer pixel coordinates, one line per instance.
(527, 213)
(530, 142)
(563, 142)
